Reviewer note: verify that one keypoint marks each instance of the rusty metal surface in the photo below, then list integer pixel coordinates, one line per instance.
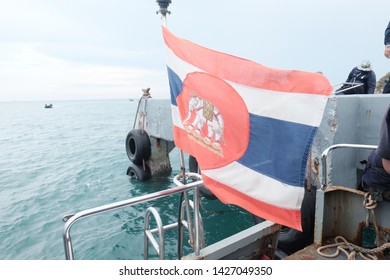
(310, 253)
(258, 240)
(344, 215)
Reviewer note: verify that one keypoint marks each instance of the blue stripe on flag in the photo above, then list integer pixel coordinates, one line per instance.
(175, 84)
(274, 145)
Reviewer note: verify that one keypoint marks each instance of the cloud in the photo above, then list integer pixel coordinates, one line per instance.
(58, 49)
(79, 50)
(28, 74)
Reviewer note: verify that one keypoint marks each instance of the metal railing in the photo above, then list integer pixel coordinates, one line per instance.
(326, 153)
(72, 218)
(351, 86)
(159, 245)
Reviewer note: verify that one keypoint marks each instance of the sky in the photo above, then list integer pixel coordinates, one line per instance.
(93, 49)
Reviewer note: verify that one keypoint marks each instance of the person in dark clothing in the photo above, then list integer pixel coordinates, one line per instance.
(361, 74)
(376, 175)
(386, 88)
(387, 41)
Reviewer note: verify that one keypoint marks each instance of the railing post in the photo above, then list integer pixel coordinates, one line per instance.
(160, 247)
(68, 245)
(196, 221)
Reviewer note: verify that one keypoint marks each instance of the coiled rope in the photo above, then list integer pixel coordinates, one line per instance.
(350, 250)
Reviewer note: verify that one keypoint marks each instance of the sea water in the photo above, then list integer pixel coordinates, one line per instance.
(70, 158)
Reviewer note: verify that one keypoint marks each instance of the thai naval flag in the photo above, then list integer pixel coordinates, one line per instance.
(249, 126)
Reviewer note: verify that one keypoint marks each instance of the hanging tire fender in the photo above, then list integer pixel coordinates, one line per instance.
(138, 147)
(138, 172)
(291, 240)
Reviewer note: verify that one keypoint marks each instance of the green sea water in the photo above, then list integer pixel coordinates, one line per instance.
(70, 158)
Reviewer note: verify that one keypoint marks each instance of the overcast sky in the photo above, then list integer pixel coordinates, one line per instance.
(99, 49)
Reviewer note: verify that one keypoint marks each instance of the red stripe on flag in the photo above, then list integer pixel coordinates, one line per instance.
(246, 72)
(286, 217)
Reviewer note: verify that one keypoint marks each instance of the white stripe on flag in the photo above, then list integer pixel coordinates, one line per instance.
(257, 186)
(176, 120)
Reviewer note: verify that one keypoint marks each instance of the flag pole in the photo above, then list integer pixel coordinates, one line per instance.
(163, 4)
(195, 240)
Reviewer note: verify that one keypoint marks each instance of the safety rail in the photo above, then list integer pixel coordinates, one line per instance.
(160, 246)
(352, 85)
(72, 218)
(160, 229)
(327, 151)
(142, 113)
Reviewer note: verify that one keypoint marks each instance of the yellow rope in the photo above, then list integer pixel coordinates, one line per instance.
(309, 172)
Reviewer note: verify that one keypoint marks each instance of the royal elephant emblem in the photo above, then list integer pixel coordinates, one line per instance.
(204, 124)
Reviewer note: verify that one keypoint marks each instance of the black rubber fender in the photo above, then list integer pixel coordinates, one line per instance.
(291, 240)
(138, 172)
(138, 147)
(280, 254)
(194, 167)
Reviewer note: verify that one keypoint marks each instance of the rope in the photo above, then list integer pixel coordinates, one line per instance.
(309, 172)
(349, 249)
(370, 204)
(342, 245)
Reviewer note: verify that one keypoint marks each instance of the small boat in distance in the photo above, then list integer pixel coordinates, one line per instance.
(48, 106)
